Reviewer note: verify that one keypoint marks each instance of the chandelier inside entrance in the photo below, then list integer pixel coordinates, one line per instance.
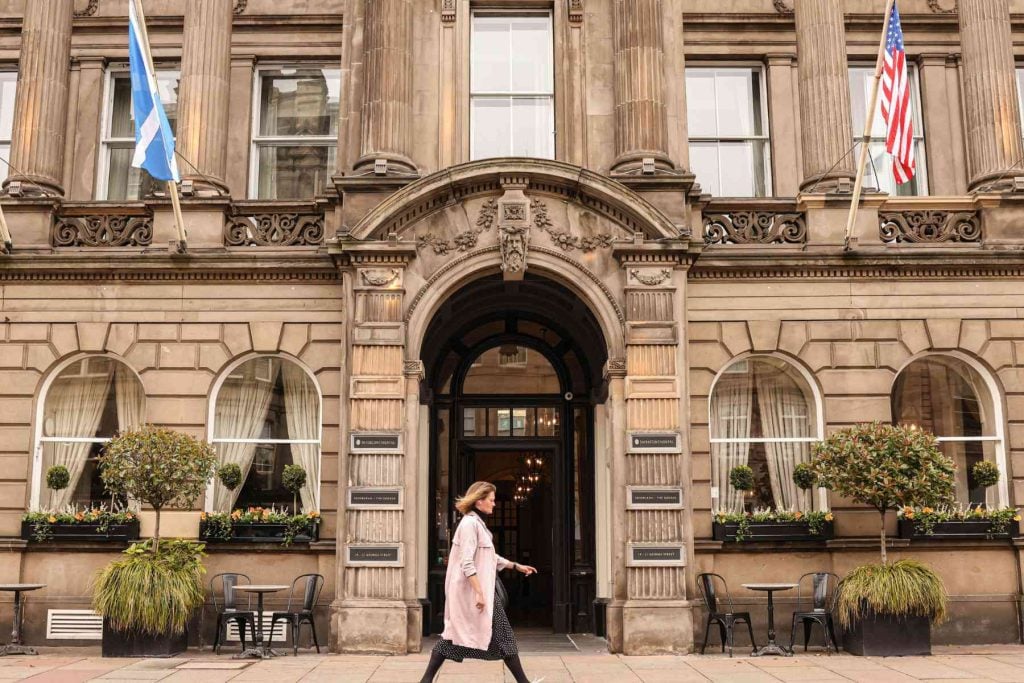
(530, 471)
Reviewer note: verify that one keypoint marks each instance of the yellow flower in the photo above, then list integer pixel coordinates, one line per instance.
(798, 515)
(1016, 518)
(51, 519)
(927, 510)
(828, 517)
(203, 517)
(909, 515)
(79, 516)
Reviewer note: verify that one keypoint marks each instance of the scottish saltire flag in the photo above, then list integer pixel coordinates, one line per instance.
(154, 141)
(899, 120)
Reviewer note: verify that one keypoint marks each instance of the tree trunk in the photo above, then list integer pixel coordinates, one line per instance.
(885, 558)
(156, 533)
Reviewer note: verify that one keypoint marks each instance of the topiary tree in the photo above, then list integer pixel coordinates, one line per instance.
(294, 478)
(157, 466)
(741, 478)
(230, 476)
(58, 478)
(985, 473)
(886, 467)
(804, 476)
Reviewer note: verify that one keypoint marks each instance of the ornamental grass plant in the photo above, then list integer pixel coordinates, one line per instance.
(905, 588)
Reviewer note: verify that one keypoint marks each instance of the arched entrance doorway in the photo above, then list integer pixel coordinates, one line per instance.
(513, 371)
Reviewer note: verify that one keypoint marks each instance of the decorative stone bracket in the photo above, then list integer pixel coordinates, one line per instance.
(96, 227)
(755, 227)
(274, 226)
(930, 226)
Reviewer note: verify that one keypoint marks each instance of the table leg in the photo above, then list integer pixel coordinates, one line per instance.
(258, 649)
(15, 647)
(772, 648)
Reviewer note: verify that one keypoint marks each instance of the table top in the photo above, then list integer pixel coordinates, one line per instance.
(260, 588)
(21, 586)
(769, 586)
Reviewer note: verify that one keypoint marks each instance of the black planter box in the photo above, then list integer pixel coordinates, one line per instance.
(135, 644)
(969, 529)
(257, 533)
(885, 635)
(772, 531)
(84, 531)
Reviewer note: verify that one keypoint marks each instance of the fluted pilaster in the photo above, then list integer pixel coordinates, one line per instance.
(203, 94)
(387, 101)
(825, 128)
(641, 125)
(40, 110)
(991, 108)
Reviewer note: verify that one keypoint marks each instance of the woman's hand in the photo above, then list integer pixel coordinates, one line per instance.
(480, 603)
(525, 569)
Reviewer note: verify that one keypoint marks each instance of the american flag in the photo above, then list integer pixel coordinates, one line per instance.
(899, 121)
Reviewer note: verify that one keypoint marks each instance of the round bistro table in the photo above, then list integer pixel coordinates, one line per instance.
(771, 647)
(261, 649)
(15, 647)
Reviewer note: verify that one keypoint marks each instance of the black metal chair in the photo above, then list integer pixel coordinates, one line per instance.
(816, 595)
(727, 619)
(311, 585)
(227, 607)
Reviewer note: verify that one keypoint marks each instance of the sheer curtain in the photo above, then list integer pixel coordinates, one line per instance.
(730, 419)
(129, 397)
(75, 404)
(784, 414)
(302, 413)
(241, 414)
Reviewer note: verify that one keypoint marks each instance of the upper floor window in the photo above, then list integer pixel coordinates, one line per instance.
(1020, 94)
(295, 132)
(727, 117)
(879, 169)
(8, 89)
(512, 92)
(118, 179)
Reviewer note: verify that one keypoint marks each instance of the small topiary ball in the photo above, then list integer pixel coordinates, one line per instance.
(804, 476)
(230, 476)
(985, 473)
(293, 478)
(742, 478)
(58, 478)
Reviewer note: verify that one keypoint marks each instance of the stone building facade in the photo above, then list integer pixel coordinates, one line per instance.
(590, 247)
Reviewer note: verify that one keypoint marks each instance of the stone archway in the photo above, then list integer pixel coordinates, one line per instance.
(626, 261)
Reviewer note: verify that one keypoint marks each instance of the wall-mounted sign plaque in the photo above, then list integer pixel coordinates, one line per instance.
(654, 498)
(377, 555)
(656, 555)
(368, 442)
(654, 442)
(365, 498)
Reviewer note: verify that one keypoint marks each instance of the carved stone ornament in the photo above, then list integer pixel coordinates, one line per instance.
(781, 7)
(240, 6)
(465, 240)
(615, 367)
(102, 231)
(575, 11)
(930, 226)
(88, 10)
(936, 7)
(275, 230)
(379, 278)
(754, 227)
(564, 239)
(413, 367)
(448, 11)
(651, 279)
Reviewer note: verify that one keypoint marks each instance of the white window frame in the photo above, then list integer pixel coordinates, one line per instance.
(44, 393)
(1019, 72)
(920, 144)
(817, 415)
(766, 121)
(258, 141)
(996, 397)
(512, 96)
(7, 141)
(107, 142)
(212, 416)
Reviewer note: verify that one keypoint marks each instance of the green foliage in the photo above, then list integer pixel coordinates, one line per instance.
(903, 588)
(58, 478)
(804, 476)
(42, 521)
(741, 478)
(153, 591)
(230, 476)
(925, 518)
(985, 473)
(293, 478)
(814, 519)
(219, 525)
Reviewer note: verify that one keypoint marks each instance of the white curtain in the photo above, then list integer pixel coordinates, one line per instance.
(241, 413)
(130, 399)
(784, 414)
(75, 404)
(302, 413)
(730, 419)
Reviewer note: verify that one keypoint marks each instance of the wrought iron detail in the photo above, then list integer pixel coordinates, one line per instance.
(102, 231)
(379, 278)
(930, 226)
(781, 7)
(275, 230)
(936, 7)
(240, 6)
(755, 227)
(88, 10)
(651, 279)
(564, 239)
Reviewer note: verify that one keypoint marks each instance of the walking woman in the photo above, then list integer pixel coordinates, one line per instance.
(475, 624)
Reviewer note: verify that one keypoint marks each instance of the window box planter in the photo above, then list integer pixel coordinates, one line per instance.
(256, 532)
(958, 529)
(728, 532)
(135, 644)
(36, 532)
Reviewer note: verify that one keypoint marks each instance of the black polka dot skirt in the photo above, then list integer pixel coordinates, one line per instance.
(503, 641)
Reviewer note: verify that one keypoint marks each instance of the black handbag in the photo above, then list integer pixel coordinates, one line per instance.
(499, 588)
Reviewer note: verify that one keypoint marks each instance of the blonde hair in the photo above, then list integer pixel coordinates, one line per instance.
(478, 491)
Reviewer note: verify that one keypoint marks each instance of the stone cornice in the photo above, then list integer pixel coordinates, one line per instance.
(119, 265)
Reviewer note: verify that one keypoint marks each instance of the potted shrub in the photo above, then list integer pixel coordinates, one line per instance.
(887, 609)
(977, 522)
(772, 525)
(230, 476)
(95, 523)
(259, 525)
(294, 478)
(147, 597)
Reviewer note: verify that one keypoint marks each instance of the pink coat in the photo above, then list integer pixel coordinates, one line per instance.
(472, 553)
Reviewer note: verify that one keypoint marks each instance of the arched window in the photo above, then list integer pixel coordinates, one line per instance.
(951, 399)
(763, 414)
(87, 403)
(266, 416)
(511, 369)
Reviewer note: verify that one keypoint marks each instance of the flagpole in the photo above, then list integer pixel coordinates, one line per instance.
(869, 119)
(172, 187)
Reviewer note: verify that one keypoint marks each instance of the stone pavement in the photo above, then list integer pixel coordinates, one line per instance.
(1002, 663)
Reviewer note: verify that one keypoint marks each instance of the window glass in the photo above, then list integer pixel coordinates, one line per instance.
(267, 416)
(1020, 94)
(878, 173)
(511, 369)
(88, 403)
(762, 416)
(296, 132)
(726, 119)
(8, 90)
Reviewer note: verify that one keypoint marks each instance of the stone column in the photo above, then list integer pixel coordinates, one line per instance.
(203, 95)
(387, 98)
(825, 127)
(40, 109)
(641, 126)
(990, 93)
